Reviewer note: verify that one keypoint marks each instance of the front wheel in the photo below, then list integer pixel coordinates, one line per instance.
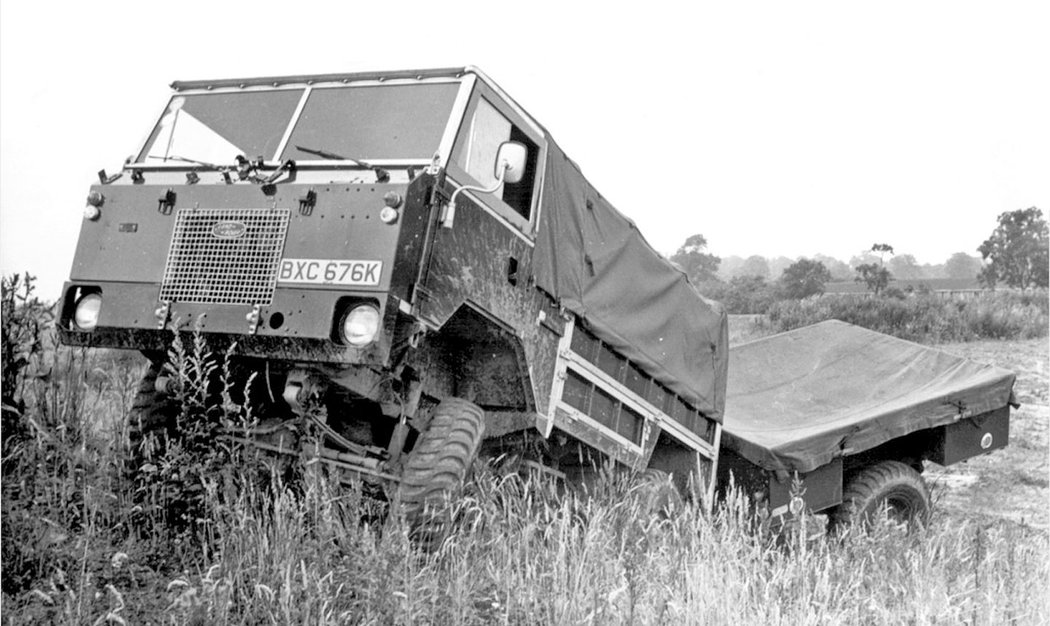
(437, 466)
(889, 486)
(152, 413)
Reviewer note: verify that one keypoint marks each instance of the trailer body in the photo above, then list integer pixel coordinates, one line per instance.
(824, 401)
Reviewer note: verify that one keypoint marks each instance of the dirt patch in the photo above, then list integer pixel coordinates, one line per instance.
(1012, 483)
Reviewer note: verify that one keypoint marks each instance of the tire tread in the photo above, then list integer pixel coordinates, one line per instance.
(869, 485)
(442, 457)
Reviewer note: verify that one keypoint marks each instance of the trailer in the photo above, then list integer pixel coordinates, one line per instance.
(414, 253)
(854, 415)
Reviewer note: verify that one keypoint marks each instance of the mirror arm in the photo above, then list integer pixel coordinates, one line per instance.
(448, 212)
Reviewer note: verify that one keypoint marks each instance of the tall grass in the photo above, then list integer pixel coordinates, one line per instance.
(928, 318)
(518, 555)
(78, 548)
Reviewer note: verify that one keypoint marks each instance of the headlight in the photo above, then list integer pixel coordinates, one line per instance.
(360, 325)
(86, 314)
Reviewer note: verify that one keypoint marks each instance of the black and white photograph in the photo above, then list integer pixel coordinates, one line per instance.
(521, 313)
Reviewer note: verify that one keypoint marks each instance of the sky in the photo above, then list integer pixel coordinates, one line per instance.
(771, 128)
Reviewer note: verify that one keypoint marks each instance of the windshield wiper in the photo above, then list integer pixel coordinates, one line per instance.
(382, 175)
(324, 154)
(211, 166)
(331, 156)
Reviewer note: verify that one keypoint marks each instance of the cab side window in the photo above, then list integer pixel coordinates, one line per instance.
(488, 129)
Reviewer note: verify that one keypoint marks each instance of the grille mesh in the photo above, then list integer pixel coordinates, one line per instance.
(206, 269)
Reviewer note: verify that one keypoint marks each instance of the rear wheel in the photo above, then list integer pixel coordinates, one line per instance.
(889, 486)
(438, 465)
(658, 494)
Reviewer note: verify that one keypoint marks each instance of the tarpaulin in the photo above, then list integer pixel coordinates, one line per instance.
(596, 263)
(799, 399)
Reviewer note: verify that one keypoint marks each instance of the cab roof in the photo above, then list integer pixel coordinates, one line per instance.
(354, 77)
(275, 81)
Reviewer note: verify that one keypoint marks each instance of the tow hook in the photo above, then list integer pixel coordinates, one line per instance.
(299, 388)
(164, 385)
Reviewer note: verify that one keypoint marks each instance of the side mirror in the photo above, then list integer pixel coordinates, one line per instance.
(510, 168)
(510, 162)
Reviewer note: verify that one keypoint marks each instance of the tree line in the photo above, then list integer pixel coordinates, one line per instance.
(1016, 254)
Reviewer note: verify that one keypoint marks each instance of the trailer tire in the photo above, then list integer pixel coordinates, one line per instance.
(890, 484)
(437, 467)
(152, 413)
(658, 494)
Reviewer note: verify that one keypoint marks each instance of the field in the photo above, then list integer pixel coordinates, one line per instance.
(1011, 484)
(85, 541)
(938, 284)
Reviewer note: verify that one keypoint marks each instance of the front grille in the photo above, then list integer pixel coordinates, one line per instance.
(206, 268)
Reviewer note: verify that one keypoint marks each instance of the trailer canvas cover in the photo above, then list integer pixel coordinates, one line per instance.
(799, 399)
(597, 264)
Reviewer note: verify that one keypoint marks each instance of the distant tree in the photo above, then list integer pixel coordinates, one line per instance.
(730, 266)
(695, 261)
(804, 278)
(863, 258)
(881, 249)
(755, 266)
(1018, 251)
(875, 276)
(839, 270)
(933, 270)
(904, 266)
(743, 294)
(961, 265)
(778, 264)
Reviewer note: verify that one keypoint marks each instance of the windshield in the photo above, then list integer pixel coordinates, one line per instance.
(371, 123)
(215, 128)
(360, 123)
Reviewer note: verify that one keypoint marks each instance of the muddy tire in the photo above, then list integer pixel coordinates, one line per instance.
(152, 413)
(438, 465)
(890, 485)
(657, 494)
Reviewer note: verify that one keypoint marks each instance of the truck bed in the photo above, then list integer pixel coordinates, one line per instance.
(797, 400)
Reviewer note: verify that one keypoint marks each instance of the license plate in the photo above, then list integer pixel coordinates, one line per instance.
(330, 272)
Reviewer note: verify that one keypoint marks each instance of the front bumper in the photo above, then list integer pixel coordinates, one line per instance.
(300, 324)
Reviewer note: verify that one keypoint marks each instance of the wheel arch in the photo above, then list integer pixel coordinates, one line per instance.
(476, 357)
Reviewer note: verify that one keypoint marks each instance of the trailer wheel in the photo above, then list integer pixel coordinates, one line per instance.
(151, 413)
(657, 493)
(889, 485)
(437, 466)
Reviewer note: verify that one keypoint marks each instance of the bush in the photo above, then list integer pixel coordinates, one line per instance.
(750, 295)
(925, 317)
(803, 278)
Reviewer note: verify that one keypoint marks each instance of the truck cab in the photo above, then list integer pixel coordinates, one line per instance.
(410, 249)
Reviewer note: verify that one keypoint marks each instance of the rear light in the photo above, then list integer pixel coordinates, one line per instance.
(85, 316)
(360, 325)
